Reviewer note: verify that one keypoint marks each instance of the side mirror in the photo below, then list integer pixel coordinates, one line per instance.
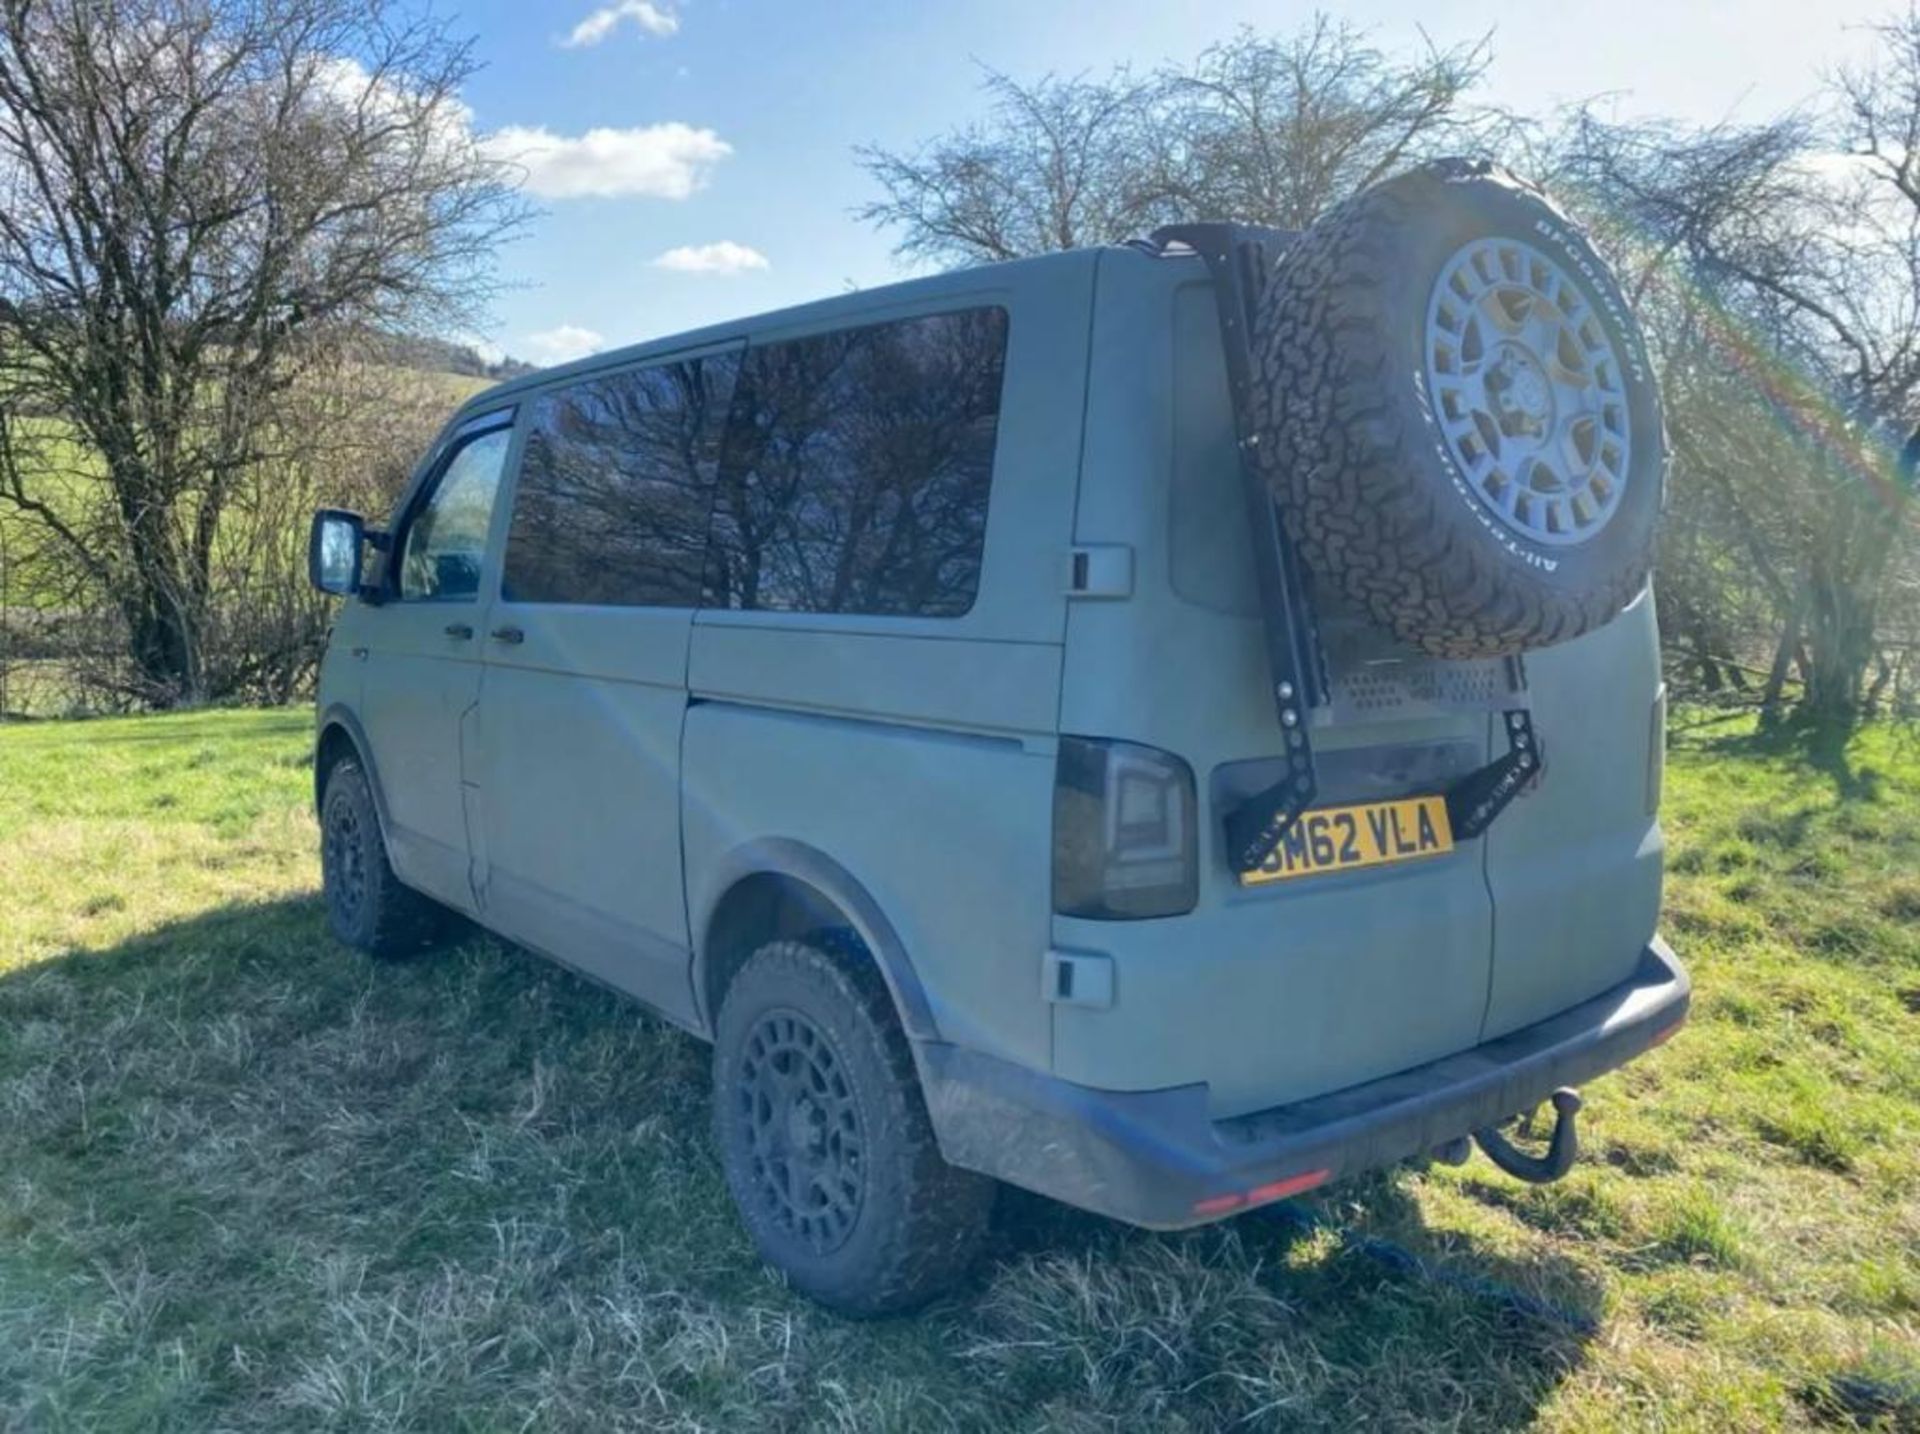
(334, 547)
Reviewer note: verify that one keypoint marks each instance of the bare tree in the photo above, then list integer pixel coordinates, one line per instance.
(1266, 129)
(1056, 164)
(1776, 267)
(347, 434)
(1276, 129)
(200, 201)
(1781, 282)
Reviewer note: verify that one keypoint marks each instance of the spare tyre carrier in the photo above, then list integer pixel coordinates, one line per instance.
(1239, 259)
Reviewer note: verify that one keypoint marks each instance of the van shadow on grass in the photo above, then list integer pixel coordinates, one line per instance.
(1820, 746)
(253, 1179)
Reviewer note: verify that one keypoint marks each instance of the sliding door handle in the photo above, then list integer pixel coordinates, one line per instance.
(508, 634)
(460, 630)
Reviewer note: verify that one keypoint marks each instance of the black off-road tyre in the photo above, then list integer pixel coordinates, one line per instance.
(1348, 439)
(367, 907)
(824, 1137)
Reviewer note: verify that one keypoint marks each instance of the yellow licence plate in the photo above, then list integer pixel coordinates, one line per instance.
(1365, 834)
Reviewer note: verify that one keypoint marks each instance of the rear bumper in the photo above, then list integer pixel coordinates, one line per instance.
(1155, 1158)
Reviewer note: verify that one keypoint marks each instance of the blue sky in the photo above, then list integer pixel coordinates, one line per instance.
(656, 126)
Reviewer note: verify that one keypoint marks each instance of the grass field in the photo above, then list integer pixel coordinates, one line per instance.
(250, 1181)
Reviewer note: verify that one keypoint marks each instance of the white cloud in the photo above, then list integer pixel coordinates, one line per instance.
(342, 81)
(663, 161)
(568, 341)
(724, 257)
(604, 21)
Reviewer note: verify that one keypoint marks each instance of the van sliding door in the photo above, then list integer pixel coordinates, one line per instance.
(586, 658)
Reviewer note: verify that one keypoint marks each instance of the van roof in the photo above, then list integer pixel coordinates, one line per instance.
(845, 306)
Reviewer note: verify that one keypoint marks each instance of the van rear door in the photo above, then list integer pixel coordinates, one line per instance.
(1574, 865)
(1267, 993)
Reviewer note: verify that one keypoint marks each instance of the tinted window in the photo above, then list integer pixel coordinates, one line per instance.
(616, 481)
(857, 466)
(1209, 557)
(446, 542)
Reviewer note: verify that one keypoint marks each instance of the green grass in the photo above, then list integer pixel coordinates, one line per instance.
(250, 1181)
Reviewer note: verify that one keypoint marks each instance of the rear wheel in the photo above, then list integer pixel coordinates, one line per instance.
(825, 1141)
(367, 907)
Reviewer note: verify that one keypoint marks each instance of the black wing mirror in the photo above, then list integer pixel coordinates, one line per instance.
(334, 549)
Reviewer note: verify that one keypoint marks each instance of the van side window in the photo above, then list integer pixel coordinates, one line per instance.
(857, 466)
(446, 542)
(616, 481)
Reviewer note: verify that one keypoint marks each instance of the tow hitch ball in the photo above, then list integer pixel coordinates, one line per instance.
(1561, 1149)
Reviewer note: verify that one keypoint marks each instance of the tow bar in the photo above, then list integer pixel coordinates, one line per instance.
(1561, 1148)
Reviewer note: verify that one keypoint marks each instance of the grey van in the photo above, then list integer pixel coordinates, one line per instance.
(1166, 726)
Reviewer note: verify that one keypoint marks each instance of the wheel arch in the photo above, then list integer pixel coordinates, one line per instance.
(775, 888)
(341, 735)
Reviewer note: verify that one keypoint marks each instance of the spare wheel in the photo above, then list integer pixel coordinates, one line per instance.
(1453, 406)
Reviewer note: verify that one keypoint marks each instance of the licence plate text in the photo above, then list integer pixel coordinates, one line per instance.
(1364, 834)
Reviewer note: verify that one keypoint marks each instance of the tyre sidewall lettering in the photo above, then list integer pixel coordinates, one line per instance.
(1356, 436)
(1641, 395)
(1524, 553)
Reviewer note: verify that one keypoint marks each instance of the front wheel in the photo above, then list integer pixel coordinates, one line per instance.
(825, 1141)
(367, 907)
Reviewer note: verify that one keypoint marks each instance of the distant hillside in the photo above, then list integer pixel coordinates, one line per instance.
(445, 356)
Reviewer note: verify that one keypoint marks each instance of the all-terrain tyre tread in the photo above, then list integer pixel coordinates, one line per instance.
(926, 1239)
(396, 921)
(1353, 471)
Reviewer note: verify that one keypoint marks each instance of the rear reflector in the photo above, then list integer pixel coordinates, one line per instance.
(1219, 1204)
(1262, 1194)
(1292, 1185)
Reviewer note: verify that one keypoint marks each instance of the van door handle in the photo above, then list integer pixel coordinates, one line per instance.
(508, 634)
(461, 630)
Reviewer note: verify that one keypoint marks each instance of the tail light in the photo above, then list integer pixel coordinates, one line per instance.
(1125, 832)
